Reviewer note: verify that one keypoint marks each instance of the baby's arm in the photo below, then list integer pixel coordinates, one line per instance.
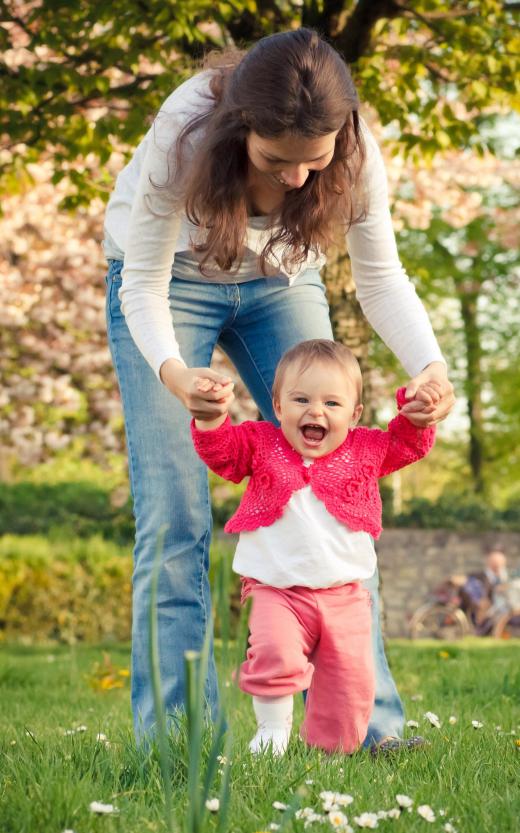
(205, 385)
(406, 441)
(225, 448)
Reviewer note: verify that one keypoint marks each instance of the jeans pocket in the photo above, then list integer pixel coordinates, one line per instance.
(113, 281)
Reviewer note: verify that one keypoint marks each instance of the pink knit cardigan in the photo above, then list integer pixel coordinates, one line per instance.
(345, 480)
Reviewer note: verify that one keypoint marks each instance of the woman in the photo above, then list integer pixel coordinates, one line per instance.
(248, 172)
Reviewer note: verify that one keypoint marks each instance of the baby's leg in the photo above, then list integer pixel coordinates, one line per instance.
(341, 697)
(281, 638)
(274, 723)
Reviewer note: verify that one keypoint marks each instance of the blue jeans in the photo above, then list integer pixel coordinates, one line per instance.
(254, 323)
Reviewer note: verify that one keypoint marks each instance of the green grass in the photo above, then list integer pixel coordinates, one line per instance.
(48, 779)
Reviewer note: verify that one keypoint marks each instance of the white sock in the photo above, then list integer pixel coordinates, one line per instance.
(274, 718)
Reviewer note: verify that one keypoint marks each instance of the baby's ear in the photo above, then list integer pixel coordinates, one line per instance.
(356, 415)
(277, 410)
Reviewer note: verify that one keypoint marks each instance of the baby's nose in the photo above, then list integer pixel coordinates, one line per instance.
(315, 408)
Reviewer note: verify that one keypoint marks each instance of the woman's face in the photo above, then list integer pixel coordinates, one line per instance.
(285, 162)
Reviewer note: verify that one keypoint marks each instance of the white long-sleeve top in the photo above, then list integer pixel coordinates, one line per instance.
(142, 226)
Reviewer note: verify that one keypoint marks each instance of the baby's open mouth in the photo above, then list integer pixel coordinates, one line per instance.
(313, 433)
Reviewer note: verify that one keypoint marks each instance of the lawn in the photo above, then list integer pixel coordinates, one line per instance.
(54, 701)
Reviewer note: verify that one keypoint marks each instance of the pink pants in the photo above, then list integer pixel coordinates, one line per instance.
(318, 640)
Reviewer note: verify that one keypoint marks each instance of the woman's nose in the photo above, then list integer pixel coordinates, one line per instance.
(295, 176)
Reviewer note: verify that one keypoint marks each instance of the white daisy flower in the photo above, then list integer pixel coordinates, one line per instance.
(394, 813)
(75, 731)
(404, 800)
(304, 813)
(102, 809)
(343, 799)
(477, 724)
(426, 812)
(412, 724)
(340, 799)
(338, 819)
(382, 814)
(448, 827)
(274, 826)
(213, 805)
(327, 795)
(433, 719)
(222, 760)
(312, 818)
(452, 719)
(366, 820)
(416, 697)
(498, 728)
(309, 781)
(279, 805)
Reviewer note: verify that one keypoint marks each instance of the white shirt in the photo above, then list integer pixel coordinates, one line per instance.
(306, 547)
(141, 224)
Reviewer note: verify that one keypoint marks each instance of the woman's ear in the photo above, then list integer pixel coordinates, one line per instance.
(356, 415)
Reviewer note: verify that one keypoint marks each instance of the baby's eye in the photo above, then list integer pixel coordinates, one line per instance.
(331, 403)
(301, 400)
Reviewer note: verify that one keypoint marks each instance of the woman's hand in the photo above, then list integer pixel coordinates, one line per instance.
(204, 402)
(431, 394)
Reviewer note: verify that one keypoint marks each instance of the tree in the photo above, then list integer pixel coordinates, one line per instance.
(80, 84)
(474, 266)
(80, 80)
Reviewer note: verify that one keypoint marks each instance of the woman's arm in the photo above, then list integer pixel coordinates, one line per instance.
(385, 293)
(153, 230)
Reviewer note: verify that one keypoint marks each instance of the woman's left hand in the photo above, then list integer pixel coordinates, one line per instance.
(431, 394)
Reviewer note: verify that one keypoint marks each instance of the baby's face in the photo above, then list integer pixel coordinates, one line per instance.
(317, 408)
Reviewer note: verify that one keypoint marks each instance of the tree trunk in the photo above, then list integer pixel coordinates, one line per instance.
(468, 304)
(348, 322)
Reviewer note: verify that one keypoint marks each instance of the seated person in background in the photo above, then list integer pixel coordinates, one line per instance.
(483, 595)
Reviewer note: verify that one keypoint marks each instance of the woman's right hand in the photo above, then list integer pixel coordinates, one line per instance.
(184, 383)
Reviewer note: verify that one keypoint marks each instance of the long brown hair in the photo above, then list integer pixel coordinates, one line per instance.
(291, 82)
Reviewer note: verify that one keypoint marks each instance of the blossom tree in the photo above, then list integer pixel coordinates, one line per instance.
(80, 84)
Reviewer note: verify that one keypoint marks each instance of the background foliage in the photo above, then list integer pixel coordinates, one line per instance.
(81, 83)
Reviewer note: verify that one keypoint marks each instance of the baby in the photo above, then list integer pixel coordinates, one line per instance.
(307, 521)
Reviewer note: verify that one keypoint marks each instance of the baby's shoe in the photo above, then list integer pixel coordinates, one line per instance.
(270, 740)
(274, 717)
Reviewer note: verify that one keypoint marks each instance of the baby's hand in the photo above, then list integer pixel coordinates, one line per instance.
(205, 385)
(436, 397)
(430, 393)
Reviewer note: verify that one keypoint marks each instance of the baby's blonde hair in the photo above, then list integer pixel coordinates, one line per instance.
(323, 350)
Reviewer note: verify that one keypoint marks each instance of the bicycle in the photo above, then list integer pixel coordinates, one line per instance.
(442, 616)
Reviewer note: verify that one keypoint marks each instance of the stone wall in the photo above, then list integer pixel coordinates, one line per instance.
(413, 561)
